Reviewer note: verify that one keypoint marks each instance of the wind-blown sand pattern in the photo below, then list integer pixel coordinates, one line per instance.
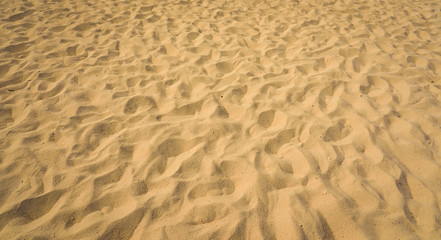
(220, 119)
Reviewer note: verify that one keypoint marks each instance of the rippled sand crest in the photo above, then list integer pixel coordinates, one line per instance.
(220, 119)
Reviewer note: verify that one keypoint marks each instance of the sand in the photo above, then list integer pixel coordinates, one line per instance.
(220, 119)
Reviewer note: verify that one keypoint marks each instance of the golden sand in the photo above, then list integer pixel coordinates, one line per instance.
(147, 119)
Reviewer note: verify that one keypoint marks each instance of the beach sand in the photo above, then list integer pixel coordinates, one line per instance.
(220, 119)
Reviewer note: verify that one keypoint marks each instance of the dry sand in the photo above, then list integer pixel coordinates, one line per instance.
(220, 119)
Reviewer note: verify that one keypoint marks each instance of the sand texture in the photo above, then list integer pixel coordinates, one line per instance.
(212, 119)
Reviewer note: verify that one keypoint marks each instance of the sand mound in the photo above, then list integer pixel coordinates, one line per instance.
(220, 119)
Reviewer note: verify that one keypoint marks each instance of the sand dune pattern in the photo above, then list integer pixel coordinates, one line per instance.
(217, 119)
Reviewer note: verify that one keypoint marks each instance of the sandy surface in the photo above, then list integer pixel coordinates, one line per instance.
(220, 119)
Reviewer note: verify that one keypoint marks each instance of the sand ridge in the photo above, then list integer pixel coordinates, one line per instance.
(220, 119)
